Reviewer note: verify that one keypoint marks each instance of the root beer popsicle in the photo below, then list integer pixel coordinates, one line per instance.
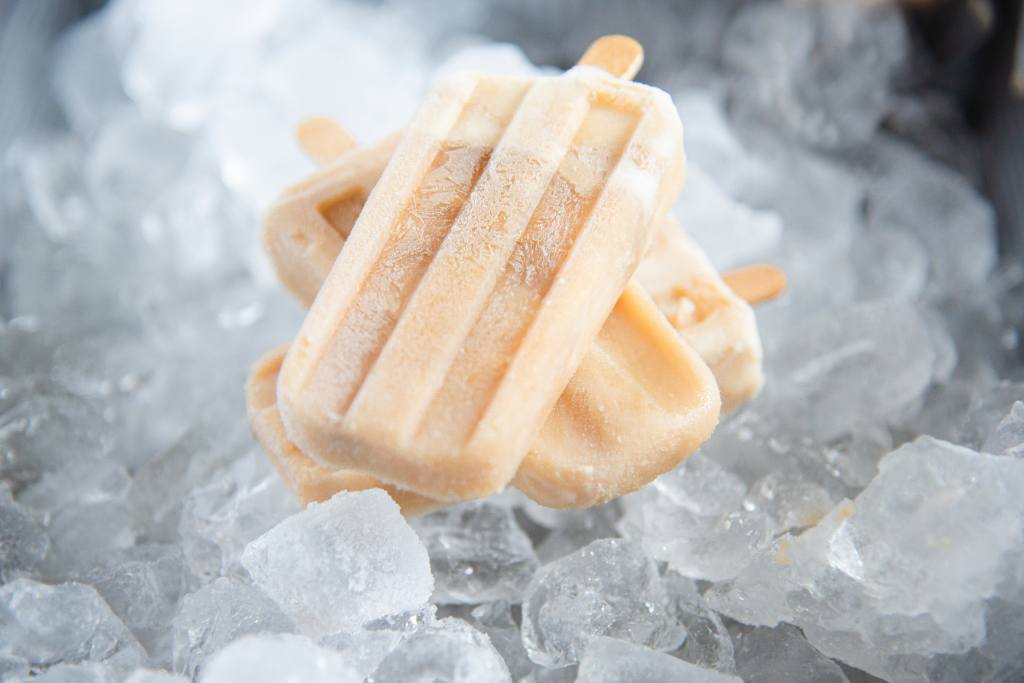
(479, 272)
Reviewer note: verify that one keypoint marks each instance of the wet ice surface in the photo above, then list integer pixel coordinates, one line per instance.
(865, 510)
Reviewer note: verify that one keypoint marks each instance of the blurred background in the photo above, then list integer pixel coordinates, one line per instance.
(959, 95)
(874, 150)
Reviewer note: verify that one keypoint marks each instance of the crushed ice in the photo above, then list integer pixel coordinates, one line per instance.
(863, 515)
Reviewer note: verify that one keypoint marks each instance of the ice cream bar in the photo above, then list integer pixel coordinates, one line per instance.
(640, 402)
(481, 268)
(305, 229)
(716, 322)
(308, 480)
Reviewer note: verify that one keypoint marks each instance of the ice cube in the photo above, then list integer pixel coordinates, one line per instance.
(732, 233)
(574, 531)
(871, 583)
(40, 424)
(242, 501)
(988, 408)
(782, 655)
(607, 588)
(23, 540)
(823, 69)
(217, 614)
(79, 481)
(143, 586)
(1008, 436)
(162, 485)
(270, 659)
(154, 676)
(708, 643)
(341, 563)
(477, 553)
(449, 651)
(693, 519)
(609, 660)
(870, 360)
(84, 533)
(939, 207)
(496, 620)
(90, 672)
(85, 74)
(890, 263)
(68, 623)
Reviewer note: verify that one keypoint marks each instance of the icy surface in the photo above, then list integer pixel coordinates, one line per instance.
(877, 594)
(360, 560)
(269, 659)
(448, 651)
(608, 588)
(1008, 436)
(23, 541)
(45, 625)
(608, 660)
(477, 553)
(217, 614)
(134, 297)
(782, 655)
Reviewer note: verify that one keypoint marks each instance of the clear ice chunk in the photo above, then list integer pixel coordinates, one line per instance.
(154, 676)
(40, 424)
(449, 651)
(940, 208)
(220, 518)
(870, 583)
(217, 614)
(477, 553)
(823, 69)
(360, 560)
(69, 623)
(271, 659)
(609, 660)
(732, 233)
(608, 588)
(23, 540)
(708, 642)
(782, 655)
(870, 359)
(143, 585)
(1008, 436)
(497, 621)
(694, 519)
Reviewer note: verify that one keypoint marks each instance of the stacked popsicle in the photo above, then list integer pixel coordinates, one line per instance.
(486, 305)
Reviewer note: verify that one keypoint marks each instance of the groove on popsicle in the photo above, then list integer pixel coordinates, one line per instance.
(532, 266)
(469, 262)
(638, 186)
(426, 220)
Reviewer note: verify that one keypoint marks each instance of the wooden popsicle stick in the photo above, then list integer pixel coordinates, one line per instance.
(324, 139)
(618, 55)
(757, 283)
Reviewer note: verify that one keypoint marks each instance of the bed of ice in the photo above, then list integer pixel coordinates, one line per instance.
(863, 518)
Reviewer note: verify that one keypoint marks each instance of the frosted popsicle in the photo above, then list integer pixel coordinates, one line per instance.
(479, 271)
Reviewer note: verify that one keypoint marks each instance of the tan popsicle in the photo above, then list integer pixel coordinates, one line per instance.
(452, 319)
(308, 480)
(313, 210)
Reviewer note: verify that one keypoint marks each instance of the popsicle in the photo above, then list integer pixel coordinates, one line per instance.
(710, 316)
(308, 480)
(478, 273)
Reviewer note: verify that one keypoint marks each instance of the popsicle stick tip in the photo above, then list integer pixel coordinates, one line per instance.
(618, 55)
(757, 283)
(323, 139)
